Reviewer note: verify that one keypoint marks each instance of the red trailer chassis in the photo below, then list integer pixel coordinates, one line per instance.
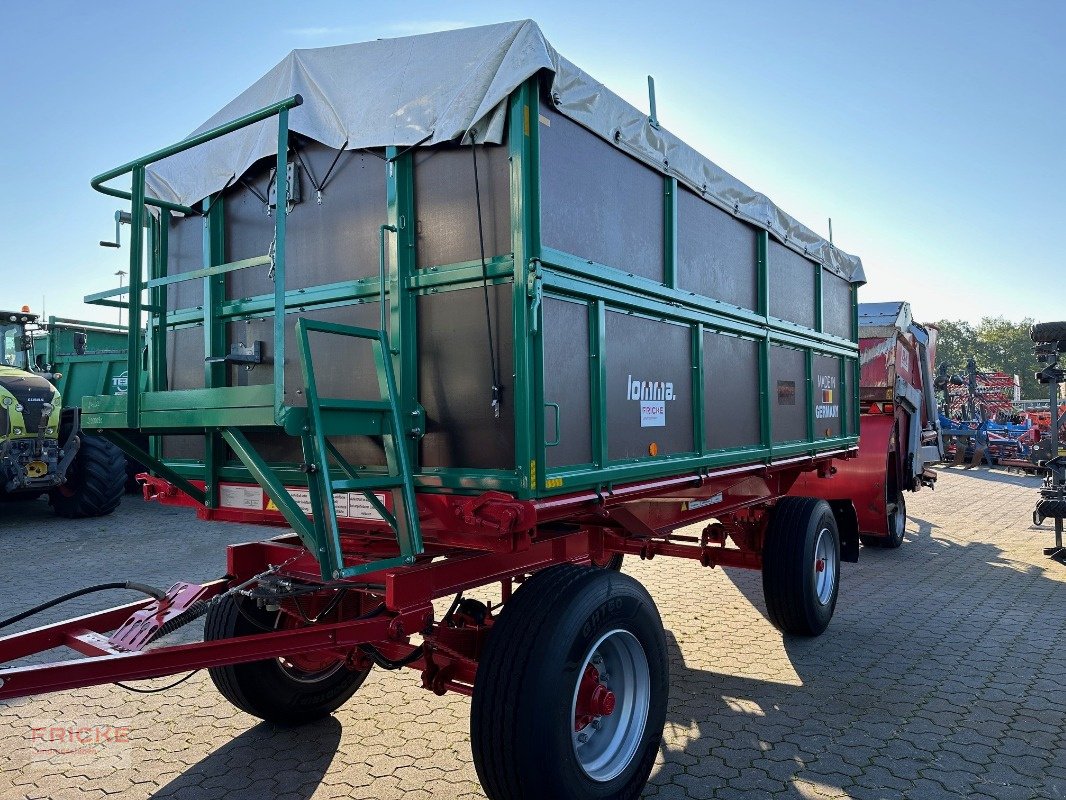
(472, 542)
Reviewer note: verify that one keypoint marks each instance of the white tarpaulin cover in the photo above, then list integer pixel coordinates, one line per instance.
(442, 85)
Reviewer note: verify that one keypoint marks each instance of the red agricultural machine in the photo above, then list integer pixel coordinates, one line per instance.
(898, 424)
(475, 324)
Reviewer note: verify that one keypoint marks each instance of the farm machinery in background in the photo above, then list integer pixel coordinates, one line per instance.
(43, 448)
(1050, 339)
(980, 420)
(898, 423)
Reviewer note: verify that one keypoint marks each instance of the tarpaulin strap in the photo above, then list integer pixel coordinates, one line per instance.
(496, 389)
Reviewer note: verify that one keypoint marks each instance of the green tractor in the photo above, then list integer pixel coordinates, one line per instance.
(42, 446)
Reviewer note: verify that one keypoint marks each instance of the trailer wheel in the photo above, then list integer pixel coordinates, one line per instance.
(289, 691)
(96, 480)
(1051, 509)
(897, 527)
(1044, 332)
(801, 566)
(571, 690)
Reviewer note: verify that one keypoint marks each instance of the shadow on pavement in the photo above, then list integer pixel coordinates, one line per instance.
(264, 761)
(912, 675)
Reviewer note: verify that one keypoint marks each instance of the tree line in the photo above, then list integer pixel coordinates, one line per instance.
(996, 344)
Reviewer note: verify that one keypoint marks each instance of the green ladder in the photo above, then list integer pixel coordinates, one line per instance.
(329, 472)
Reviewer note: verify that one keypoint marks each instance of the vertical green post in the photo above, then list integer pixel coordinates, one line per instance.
(762, 267)
(214, 336)
(158, 326)
(699, 439)
(855, 368)
(400, 188)
(523, 140)
(811, 426)
(281, 184)
(136, 285)
(766, 419)
(845, 412)
(598, 319)
(670, 232)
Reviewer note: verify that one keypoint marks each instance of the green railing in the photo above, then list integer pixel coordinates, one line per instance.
(139, 200)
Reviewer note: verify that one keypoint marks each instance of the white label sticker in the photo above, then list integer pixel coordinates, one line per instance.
(350, 505)
(302, 498)
(710, 501)
(249, 497)
(653, 413)
(361, 508)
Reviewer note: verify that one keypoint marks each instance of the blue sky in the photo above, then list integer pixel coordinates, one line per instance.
(932, 133)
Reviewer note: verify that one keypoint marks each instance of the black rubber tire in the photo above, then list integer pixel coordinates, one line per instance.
(614, 563)
(1043, 332)
(1051, 509)
(96, 480)
(265, 689)
(521, 712)
(788, 568)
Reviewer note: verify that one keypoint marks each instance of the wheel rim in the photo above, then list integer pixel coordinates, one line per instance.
(610, 705)
(900, 518)
(825, 568)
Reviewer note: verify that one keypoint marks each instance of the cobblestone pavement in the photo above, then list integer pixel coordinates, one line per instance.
(940, 676)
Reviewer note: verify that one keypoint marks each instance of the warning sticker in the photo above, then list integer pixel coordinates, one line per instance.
(247, 497)
(653, 413)
(349, 505)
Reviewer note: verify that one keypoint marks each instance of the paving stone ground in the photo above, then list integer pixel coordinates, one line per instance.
(941, 675)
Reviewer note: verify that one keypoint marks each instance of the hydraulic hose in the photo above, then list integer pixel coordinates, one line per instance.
(101, 587)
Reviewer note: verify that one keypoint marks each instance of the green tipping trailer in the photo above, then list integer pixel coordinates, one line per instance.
(87, 358)
(457, 314)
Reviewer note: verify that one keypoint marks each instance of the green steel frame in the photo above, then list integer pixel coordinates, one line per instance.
(532, 269)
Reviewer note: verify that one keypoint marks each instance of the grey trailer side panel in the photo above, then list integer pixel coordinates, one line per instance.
(567, 401)
(716, 253)
(446, 223)
(730, 392)
(455, 378)
(788, 394)
(792, 286)
(597, 203)
(649, 387)
(335, 240)
(836, 305)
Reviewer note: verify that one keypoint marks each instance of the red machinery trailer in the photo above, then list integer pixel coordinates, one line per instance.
(507, 329)
(899, 429)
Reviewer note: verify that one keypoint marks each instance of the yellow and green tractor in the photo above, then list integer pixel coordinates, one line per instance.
(42, 446)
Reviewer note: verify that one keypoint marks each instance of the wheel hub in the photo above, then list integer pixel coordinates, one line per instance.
(610, 705)
(594, 699)
(825, 577)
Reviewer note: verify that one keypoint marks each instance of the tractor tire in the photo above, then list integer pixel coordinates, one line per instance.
(1051, 509)
(96, 480)
(801, 566)
(897, 527)
(1045, 332)
(571, 690)
(275, 689)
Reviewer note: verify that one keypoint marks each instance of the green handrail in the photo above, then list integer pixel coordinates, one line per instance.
(187, 144)
(138, 201)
